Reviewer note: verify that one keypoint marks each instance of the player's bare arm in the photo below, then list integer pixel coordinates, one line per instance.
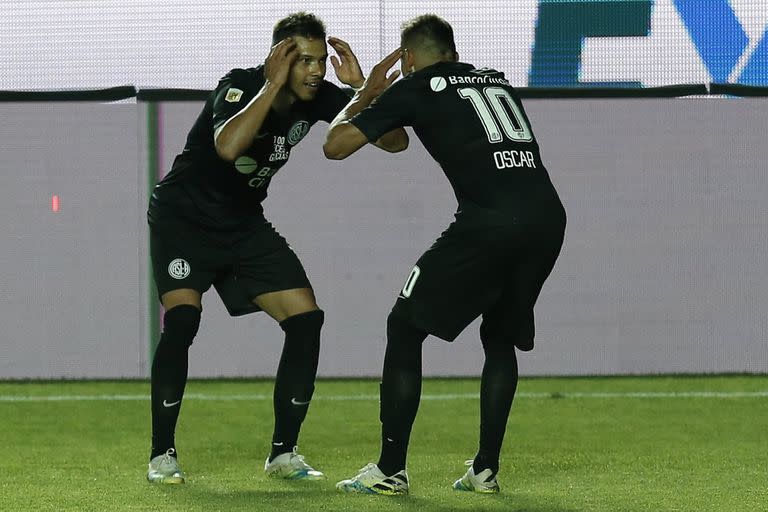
(343, 137)
(348, 72)
(235, 136)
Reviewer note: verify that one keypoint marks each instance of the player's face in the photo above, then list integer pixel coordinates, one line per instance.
(308, 71)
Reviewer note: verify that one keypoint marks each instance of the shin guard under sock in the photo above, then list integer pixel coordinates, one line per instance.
(295, 379)
(497, 391)
(169, 374)
(400, 392)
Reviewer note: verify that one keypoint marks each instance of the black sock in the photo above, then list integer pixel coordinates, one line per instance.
(400, 392)
(169, 374)
(295, 379)
(497, 390)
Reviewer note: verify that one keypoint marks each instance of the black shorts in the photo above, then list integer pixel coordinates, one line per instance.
(241, 266)
(481, 269)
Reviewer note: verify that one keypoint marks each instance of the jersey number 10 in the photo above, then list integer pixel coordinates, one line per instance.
(493, 99)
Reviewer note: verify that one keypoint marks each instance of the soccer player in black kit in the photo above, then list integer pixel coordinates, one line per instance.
(207, 227)
(491, 261)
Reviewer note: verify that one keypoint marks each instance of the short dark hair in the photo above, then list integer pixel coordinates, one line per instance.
(298, 24)
(429, 31)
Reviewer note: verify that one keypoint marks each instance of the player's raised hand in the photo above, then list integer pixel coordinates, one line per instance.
(379, 79)
(279, 61)
(345, 65)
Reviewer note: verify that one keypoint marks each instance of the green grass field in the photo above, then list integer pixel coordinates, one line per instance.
(573, 444)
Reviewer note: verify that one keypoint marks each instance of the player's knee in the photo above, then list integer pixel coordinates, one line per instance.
(489, 334)
(523, 343)
(401, 331)
(495, 338)
(180, 324)
(494, 335)
(304, 326)
(499, 349)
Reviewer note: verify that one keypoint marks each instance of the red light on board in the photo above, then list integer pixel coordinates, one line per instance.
(55, 203)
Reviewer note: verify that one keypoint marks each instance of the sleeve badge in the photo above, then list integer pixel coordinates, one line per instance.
(233, 95)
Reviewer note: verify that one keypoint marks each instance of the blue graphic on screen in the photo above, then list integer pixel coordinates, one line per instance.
(562, 27)
(756, 70)
(713, 26)
(717, 34)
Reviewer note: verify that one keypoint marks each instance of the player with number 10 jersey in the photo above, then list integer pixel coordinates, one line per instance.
(491, 261)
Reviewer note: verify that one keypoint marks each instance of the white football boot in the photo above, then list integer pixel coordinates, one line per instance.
(165, 469)
(370, 480)
(291, 466)
(484, 482)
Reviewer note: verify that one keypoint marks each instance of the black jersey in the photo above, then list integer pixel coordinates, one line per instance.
(211, 192)
(472, 122)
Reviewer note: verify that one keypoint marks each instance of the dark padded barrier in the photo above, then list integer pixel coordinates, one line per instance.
(669, 91)
(109, 94)
(172, 95)
(738, 90)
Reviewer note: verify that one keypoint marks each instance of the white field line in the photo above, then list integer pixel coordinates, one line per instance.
(345, 398)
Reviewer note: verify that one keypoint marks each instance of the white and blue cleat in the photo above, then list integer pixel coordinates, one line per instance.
(370, 480)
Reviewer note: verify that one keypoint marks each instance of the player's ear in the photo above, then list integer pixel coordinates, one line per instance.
(406, 62)
(456, 56)
(410, 62)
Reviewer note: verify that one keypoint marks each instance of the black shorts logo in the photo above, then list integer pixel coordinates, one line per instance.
(179, 269)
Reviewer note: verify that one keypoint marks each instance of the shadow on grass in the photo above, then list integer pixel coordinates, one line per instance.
(193, 496)
(311, 497)
(511, 503)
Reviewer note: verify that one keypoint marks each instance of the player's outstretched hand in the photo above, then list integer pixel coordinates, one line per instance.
(378, 80)
(279, 61)
(345, 65)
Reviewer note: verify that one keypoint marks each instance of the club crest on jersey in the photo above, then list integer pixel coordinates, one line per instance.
(179, 268)
(297, 132)
(233, 95)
